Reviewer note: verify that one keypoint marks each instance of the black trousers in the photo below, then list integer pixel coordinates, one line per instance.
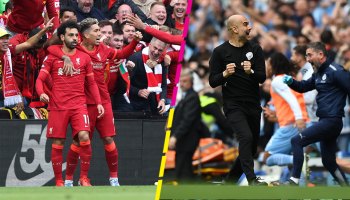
(245, 121)
(183, 166)
(325, 131)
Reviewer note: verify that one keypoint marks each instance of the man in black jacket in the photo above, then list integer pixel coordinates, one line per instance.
(185, 135)
(148, 79)
(238, 66)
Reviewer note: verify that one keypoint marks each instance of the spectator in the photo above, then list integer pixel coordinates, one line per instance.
(67, 13)
(179, 14)
(10, 94)
(4, 15)
(128, 31)
(27, 15)
(122, 12)
(144, 5)
(119, 79)
(26, 66)
(148, 79)
(185, 134)
(106, 28)
(85, 9)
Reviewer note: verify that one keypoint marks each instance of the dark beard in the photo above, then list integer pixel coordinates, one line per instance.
(69, 45)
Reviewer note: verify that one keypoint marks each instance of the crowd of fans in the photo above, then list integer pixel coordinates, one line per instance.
(143, 82)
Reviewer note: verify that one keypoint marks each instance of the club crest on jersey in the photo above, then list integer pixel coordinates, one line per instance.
(323, 79)
(98, 56)
(77, 61)
(50, 130)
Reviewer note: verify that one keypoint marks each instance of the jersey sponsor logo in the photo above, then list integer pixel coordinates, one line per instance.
(97, 65)
(60, 71)
(77, 71)
(28, 166)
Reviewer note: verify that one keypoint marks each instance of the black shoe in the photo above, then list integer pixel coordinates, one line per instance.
(290, 182)
(258, 182)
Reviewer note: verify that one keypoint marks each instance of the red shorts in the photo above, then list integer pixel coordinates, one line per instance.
(105, 125)
(59, 120)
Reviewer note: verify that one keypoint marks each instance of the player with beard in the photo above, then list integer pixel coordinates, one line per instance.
(99, 53)
(332, 83)
(67, 102)
(238, 66)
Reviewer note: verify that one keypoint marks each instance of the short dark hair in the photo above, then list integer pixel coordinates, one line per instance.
(124, 24)
(87, 23)
(318, 46)
(117, 31)
(280, 64)
(104, 23)
(327, 37)
(66, 9)
(117, 28)
(300, 49)
(9, 5)
(33, 32)
(61, 30)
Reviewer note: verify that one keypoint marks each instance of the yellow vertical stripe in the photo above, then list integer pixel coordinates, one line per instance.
(159, 189)
(166, 141)
(162, 166)
(170, 118)
(165, 149)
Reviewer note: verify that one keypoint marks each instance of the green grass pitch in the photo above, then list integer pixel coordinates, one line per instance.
(211, 192)
(79, 193)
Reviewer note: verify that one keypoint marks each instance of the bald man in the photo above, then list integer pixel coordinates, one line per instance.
(238, 66)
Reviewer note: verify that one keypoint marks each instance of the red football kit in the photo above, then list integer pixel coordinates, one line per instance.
(68, 101)
(27, 15)
(99, 56)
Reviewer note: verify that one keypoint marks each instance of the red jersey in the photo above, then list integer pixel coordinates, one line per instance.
(99, 57)
(25, 78)
(3, 19)
(113, 76)
(164, 36)
(174, 55)
(27, 14)
(68, 92)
